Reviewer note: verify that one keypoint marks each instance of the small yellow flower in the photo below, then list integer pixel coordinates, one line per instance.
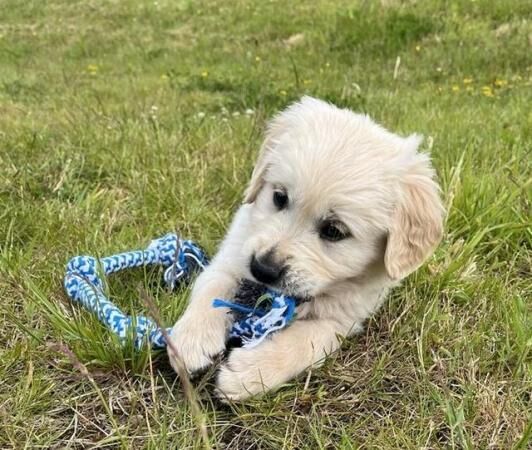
(327, 65)
(455, 88)
(92, 69)
(164, 77)
(487, 91)
(257, 58)
(204, 74)
(500, 83)
(418, 48)
(468, 80)
(283, 93)
(305, 82)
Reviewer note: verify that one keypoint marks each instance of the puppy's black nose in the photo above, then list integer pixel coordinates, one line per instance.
(265, 269)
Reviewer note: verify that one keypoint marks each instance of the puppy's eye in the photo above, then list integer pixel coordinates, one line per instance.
(331, 231)
(280, 199)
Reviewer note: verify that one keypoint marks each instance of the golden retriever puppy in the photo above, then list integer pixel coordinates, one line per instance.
(338, 211)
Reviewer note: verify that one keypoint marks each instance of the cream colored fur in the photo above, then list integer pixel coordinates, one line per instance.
(329, 161)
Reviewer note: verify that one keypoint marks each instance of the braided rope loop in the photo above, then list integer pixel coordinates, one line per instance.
(84, 284)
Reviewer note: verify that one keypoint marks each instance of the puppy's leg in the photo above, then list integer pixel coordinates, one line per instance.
(201, 332)
(289, 352)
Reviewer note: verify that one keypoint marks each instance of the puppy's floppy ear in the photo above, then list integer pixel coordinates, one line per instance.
(273, 132)
(417, 222)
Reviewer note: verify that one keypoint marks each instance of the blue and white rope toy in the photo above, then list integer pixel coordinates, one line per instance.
(181, 258)
(258, 323)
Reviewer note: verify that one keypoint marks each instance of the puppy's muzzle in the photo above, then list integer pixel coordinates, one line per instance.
(265, 269)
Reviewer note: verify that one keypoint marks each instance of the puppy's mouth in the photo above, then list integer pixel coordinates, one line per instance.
(299, 298)
(294, 292)
(250, 291)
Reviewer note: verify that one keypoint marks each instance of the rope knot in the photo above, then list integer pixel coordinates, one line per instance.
(188, 259)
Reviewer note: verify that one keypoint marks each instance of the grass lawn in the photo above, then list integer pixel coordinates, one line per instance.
(123, 120)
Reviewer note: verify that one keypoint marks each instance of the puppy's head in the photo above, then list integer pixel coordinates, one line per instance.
(334, 194)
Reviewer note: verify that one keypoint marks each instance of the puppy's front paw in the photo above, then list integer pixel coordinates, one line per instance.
(247, 372)
(198, 339)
